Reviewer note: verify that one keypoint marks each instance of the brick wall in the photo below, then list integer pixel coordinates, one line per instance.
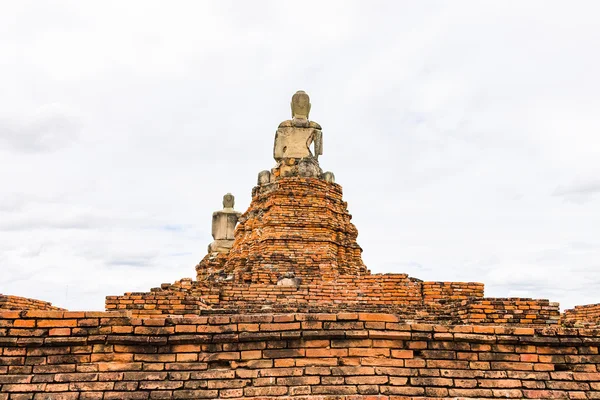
(374, 289)
(158, 303)
(99, 355)
(583, 315)
(20, 303)
(436, 291)
(509, 311)
(419, 300)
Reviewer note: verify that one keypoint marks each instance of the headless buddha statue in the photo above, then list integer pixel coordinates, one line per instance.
(293, 140)
(223, 226)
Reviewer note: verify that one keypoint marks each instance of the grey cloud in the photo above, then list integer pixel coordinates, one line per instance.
(578, 192)
(13, 273)
(28, 224)
(12, 201)
(584, 246)
(47, 218)
(51, 127)
(173, 227)
(119, 256)
(32, 252)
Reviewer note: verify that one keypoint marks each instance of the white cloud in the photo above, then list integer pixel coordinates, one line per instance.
(457, 131)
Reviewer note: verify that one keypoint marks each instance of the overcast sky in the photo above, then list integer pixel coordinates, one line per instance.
(466, 136)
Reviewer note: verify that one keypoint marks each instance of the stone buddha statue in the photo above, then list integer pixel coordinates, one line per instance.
(295, 137)
(223, 226)
(293, 141)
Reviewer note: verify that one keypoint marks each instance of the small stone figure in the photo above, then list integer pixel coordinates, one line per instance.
(329, 177)
(223, 226)
(264, 177)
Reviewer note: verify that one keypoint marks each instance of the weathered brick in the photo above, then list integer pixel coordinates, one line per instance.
(265, 391)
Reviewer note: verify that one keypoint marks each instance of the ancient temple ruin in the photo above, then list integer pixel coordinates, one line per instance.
(295, 249)
(283, 307)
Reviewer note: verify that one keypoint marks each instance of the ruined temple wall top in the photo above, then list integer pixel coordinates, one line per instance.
(8, 302)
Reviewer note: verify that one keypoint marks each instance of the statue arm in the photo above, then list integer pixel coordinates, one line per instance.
(275, 145)
(278, 147)
(215, 219)
(318, 138)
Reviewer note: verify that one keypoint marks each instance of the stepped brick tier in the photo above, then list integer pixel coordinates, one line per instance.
(283, 307)
(412, 299)
(23, 303)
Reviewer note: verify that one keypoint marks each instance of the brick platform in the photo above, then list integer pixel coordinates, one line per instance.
(100, 355)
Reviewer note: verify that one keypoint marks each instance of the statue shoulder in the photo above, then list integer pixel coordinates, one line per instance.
(299, 123)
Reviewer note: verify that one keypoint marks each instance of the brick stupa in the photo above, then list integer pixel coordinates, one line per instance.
(297, 225)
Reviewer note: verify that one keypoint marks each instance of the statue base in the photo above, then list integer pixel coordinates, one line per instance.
(307, 167)
(220, 246)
